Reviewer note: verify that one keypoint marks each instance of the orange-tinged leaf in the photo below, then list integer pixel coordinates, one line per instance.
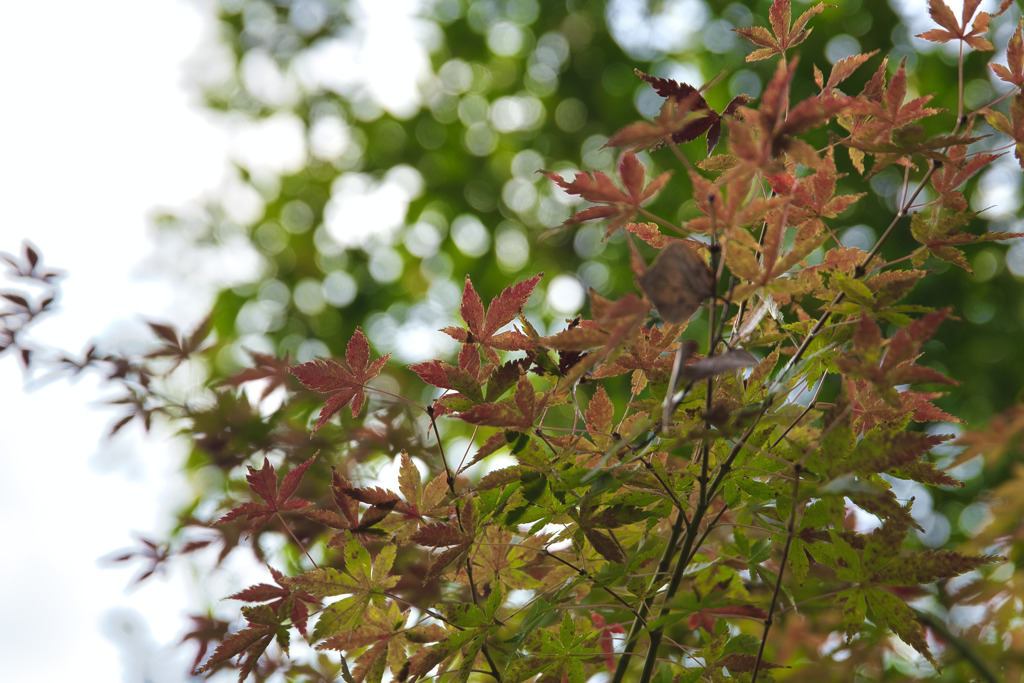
(649, 233)
(600, 412)
(409, 480)
(1013, 72)
(598, 188)
(845, 67)
(954, 30)
(1002, 436)
(782, 36)
(576, 339)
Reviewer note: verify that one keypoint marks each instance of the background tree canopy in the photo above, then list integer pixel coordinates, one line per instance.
(421, 130)
(419, 163)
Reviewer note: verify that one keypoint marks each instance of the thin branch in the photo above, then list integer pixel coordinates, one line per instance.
(790, 526)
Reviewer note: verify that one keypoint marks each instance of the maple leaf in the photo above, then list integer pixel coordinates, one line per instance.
(344, 381)
(263, 482)
(768, 132)
(178, 348)
(267, 367)
(597, 188)
(484, 327)
(282, 596)
(598, 417)
(881, 123)
(677, 117)
(1003, 436)
(869, 410)
(519, 412)
(813, 197)
(889, 111)
(958, 171)
(284, 604)
(895, 366)
(689, 99)
(381, 503)
(29, 265)
(437, 535)
(607, 642)
(940, 236)
(1012, 126)
(783, 35)
(156, 554)
(206, 629)
(951, 30)
(842, 70)
(253, 642)
(1013, 72)
(446, 376)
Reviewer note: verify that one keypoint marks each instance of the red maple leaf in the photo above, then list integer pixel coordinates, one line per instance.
(484, 327)
(689, 97)
(344, 380)
(618, 205)
(263, 483)
(205, 630)
(267, 367)
(887, 364)
(285, 604)
(278, 596)
(607, 642)
(178, 348)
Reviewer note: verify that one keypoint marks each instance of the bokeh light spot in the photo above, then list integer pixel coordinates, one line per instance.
(519, 195)
(859, 236)
(385, 264)
(841, 46)
(565, 295)
(309, 296)
(470, 235)
(296, 217)
(516, 113)
(505, 38)
(512, 249)
(340, 288)
(571, 114)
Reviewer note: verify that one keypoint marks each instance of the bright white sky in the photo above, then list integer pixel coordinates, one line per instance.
(97, 132)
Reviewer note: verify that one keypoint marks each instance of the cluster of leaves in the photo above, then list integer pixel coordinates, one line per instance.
(663, 511)
(20, 309)
(704, 499)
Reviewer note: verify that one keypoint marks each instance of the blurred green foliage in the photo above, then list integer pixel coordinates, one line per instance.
(394, 207)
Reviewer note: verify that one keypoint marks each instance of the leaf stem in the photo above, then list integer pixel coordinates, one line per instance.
(297, 541)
